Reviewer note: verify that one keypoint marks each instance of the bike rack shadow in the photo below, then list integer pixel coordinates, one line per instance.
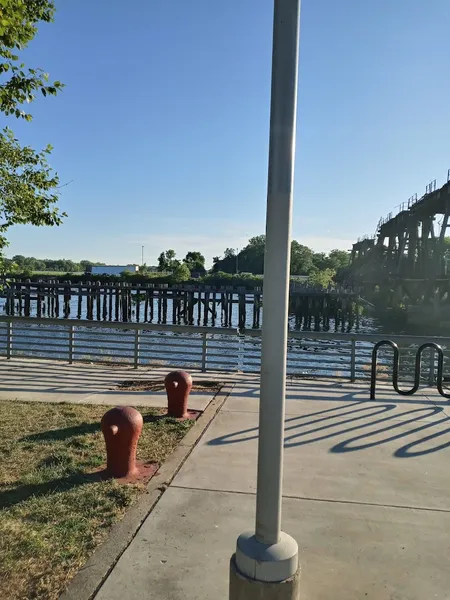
(360, 426)
(417, 368)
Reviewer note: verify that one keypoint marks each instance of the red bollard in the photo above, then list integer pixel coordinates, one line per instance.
(121, 427)
(178, 385)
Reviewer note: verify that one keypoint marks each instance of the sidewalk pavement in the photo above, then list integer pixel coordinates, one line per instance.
(366, 495)
(366, 487)
(84, 383)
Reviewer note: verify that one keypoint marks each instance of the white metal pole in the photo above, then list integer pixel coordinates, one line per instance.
(275, 302)
(276, 269)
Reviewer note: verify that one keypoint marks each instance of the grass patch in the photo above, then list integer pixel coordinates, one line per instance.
(57, 273)
(53, 513)
(157, 385)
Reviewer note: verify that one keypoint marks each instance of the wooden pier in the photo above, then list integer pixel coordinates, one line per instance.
(310, 309)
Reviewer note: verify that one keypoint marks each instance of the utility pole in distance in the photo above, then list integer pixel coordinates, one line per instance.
(265, 565)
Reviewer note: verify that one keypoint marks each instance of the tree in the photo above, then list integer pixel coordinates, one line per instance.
(40, 265)
(338, 259)
(9, 266)
(227, 264)
(167, 261)
(301, 259)
(195, 262)
(320, 260)
(19, 259)
(181, 273)
(27, 186)
(229, 253)
(85, 265)
(322, 279)
(27, 183)
(18, 26)
(251, 258)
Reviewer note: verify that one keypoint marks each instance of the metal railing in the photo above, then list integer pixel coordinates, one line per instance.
(431, 187)
(365, 237)
(415, 199)
(412, 200)
(310, 353)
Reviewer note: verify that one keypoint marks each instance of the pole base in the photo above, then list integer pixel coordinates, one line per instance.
(266, 562)
(244, 588)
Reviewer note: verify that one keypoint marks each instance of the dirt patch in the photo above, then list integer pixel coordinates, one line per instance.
(157, 385)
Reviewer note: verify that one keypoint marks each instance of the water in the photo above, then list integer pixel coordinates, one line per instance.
(225, 351)
(105, 310)
(306, 357)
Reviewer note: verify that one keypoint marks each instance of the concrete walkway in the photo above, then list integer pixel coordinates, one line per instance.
(366, 487)
(366, 495)
(84, 383)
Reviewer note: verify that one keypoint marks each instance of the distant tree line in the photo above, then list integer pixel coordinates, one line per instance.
(193, 262)
(245, 267)
(29, 264)
(304, 261)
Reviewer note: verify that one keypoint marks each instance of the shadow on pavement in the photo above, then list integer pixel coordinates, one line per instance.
(385, 426)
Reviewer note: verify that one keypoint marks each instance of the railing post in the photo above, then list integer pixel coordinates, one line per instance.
(353, 361)
(241, 352)
(71, 343)
(431, 368)
(204, 351)
(136, 348)
(9, 336)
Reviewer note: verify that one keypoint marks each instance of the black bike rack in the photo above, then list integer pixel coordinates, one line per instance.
(417, 368)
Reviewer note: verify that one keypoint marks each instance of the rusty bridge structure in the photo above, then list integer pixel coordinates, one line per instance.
(407, 261)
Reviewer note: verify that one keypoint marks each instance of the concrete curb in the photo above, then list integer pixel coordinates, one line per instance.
(91, 576)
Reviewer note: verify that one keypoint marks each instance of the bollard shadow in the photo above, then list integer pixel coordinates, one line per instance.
(78, 430)
(376, 424)
(20, 493)
(62, 434)
(155, 418)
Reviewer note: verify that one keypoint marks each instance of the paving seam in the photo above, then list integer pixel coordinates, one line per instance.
(330, 500)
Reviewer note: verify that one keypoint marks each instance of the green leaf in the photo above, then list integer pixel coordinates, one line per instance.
(28, 186)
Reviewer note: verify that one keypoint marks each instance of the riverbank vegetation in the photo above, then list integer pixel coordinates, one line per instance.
(234, 268)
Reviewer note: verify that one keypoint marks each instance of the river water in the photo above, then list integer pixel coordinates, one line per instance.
(232, 349)
(366, 324)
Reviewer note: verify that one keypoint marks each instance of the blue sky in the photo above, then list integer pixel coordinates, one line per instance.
(163, 125)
